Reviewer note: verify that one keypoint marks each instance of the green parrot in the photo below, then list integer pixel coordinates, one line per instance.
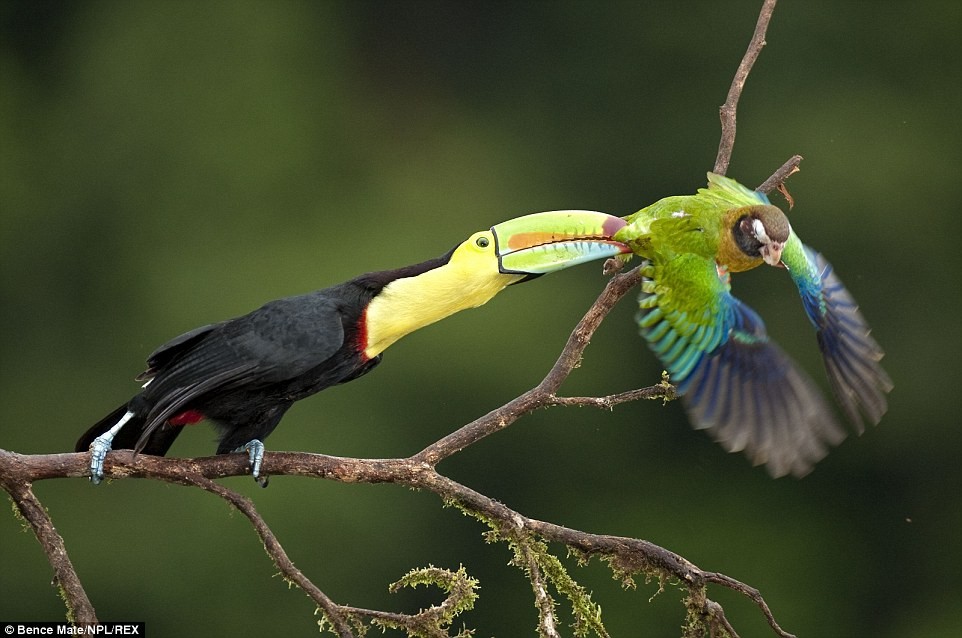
(733, 380)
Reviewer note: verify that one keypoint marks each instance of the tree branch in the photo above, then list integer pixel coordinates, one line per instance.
(79, 608)
(727, 110)
(628, 555)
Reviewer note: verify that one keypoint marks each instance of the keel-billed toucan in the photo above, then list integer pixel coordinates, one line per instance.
(244, 373)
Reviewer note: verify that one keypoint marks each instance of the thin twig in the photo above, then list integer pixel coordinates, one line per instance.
(547, 622)
(717, 614)
(778, 178)
(727, 110)
(751, 593)
(660, 391)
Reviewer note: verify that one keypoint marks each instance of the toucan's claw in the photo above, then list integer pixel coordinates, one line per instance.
(101, 445)
(98, 452)
(255, 449)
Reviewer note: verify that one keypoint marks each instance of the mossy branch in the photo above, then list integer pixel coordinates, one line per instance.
(433, 622)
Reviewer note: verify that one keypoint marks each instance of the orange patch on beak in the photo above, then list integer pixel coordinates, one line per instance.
(528, 240)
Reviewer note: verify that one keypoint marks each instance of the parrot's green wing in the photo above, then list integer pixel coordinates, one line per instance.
(734, 381)
(850, 354)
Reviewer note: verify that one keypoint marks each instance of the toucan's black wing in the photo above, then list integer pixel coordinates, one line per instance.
(165, 354)
(277, 343)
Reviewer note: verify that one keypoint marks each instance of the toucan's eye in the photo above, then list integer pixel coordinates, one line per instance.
(482, 242)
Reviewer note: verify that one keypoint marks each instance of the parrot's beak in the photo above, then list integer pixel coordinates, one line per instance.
(542, 243)
(772, 253)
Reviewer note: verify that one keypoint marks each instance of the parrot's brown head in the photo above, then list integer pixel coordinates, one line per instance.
(761, 232)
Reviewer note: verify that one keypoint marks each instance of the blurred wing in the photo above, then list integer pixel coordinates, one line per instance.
(734, 382)
(850, 353)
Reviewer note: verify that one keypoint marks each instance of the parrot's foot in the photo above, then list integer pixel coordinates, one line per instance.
(256, 451)
(100, 446)
(612, 266)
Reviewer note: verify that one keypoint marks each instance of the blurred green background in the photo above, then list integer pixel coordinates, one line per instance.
(169, 164)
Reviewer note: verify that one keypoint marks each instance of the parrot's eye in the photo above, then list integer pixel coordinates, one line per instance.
(482, 242)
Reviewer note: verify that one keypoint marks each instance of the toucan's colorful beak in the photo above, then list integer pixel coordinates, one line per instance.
(545, 242)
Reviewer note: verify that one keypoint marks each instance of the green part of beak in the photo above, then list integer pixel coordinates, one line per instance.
(542, 243)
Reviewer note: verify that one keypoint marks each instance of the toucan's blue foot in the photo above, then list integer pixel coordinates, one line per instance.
(100, 446)
(256, 451)
(98, 452)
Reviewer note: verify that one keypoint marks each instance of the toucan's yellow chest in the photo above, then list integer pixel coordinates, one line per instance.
(407, 304)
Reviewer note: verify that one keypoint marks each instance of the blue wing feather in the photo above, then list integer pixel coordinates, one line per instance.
(739, 385)
(851, 356)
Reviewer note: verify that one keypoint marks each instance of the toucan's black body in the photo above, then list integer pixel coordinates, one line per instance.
(244, 373)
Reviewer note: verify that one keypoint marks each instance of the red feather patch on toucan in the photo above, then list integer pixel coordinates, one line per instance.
(187, 417)
(361, 339)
